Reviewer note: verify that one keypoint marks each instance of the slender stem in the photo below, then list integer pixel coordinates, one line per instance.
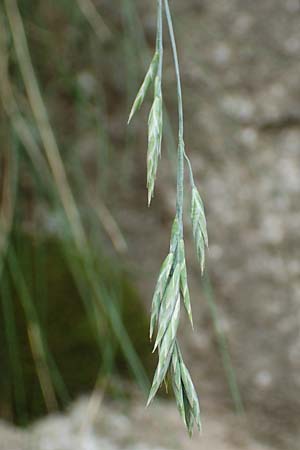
(180, 166)
(159, 39)
(190, 169)
(41, 116)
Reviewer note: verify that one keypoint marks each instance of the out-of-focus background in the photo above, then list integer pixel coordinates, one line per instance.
(80, 251)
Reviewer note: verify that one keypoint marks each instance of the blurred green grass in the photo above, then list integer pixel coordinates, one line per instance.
(67, 306)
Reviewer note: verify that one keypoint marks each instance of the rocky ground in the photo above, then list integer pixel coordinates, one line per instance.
(127, 426)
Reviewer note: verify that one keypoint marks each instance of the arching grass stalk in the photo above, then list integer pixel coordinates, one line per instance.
(172, 286)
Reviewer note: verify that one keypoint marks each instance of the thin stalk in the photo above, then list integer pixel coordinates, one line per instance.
(8, 202)
(190, 169)
(159, 39)
(180, 104)
(12, 343)
(223, 348)
(40, 114)
(34, 331)
(180, 165)
(90, 12)
(101, 300)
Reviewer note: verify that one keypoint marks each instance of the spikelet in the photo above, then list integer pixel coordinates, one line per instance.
(192, 404)
(199, 226)
(160, 289)
(183, 282)
(177, 385)
(185, 393)
(166, 311)
(166, 349)
(168, 306)
(155, 126)
(149, 78)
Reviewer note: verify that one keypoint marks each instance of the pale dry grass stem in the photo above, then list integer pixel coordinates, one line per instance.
(35, 335)
(95, 20)
(12, 110)
(42, 120)
(109, 224)
(8, 177)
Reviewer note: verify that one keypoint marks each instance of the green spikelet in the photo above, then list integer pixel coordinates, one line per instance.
(166, 349)
(149, 78)
(199, 226)
(183, 282)
(155, 126)
(177, 386)
(168, 305)
(189, 395)
(160, 289)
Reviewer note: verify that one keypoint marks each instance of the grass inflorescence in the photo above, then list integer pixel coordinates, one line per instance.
(172, 286)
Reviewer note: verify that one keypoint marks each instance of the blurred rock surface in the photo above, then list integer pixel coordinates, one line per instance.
(127, 427)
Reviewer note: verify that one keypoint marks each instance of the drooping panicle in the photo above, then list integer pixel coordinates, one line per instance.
(172, 285)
